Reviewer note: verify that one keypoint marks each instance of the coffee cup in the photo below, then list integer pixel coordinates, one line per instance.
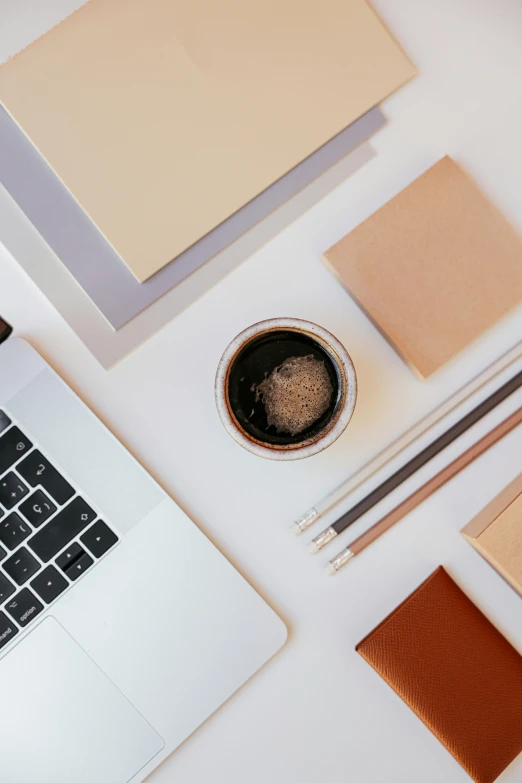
(285, 388)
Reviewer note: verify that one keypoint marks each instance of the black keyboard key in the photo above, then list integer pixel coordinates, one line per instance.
(12, 490)
(74, 561)
(38, 471)
(13, 445)
(78, 567)
(3, 553)
(62, 529)
(72, 553)
(7, 588)
(99, 538)
(49, 584)
(5, 421)
(24, 607)
(7, 630)
(6, 330)
(37, 508)
(13, 530)
(21, 566)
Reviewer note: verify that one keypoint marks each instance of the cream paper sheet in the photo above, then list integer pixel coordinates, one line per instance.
(163, 119)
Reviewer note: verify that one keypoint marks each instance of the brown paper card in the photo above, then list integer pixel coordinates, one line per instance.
(433, 268)
(497, 533)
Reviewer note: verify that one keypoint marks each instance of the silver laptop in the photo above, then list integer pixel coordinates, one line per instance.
(122, 628)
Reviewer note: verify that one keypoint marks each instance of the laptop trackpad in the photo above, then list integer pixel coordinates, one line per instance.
(63, 719)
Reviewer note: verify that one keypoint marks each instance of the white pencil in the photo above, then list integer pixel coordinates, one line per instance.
(398, 446)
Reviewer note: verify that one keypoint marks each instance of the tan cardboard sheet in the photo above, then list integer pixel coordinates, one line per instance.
(433, 268)
(503, 540)
(493, 510)
(163, 119)
(496, 533)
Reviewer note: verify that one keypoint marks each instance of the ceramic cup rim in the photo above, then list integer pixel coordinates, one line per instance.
(335, 427)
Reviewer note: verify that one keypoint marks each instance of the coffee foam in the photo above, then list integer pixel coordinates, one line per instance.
(295, 394)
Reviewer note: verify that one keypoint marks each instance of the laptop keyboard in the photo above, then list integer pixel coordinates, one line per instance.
(49, 534)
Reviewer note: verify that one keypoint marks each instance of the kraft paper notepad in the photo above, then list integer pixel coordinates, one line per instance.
(433, 268)
(165, 118)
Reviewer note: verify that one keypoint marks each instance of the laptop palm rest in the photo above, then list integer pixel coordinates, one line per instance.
(66, 720)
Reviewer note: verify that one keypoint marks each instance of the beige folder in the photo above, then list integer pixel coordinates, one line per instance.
(164, 118)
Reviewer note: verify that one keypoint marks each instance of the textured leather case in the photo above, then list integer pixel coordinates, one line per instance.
(457, 673)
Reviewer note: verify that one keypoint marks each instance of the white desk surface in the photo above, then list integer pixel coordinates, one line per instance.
(318, 712)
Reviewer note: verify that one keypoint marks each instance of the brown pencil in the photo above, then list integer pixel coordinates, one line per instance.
(431, 486)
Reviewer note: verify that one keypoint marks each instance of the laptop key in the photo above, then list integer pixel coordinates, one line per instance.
(76, 569)
(7, 630)
(21, 566)
(99, 538)
(24, 607)
(12, 490)
(38, 471)
(13, 530)
(61, 529)
(13, 446)
(72, 553)
(37, 508)
(49, 584)
(5, 421)
(3, 553)
(7, 588)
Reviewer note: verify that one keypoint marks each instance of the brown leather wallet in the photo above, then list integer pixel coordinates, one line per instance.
(457, 673)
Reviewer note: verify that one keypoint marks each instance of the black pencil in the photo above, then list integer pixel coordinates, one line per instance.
(416, 463)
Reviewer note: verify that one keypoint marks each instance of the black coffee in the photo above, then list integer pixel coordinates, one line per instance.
(283, 388)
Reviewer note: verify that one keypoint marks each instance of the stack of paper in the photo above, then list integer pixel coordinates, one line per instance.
(178, 126)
